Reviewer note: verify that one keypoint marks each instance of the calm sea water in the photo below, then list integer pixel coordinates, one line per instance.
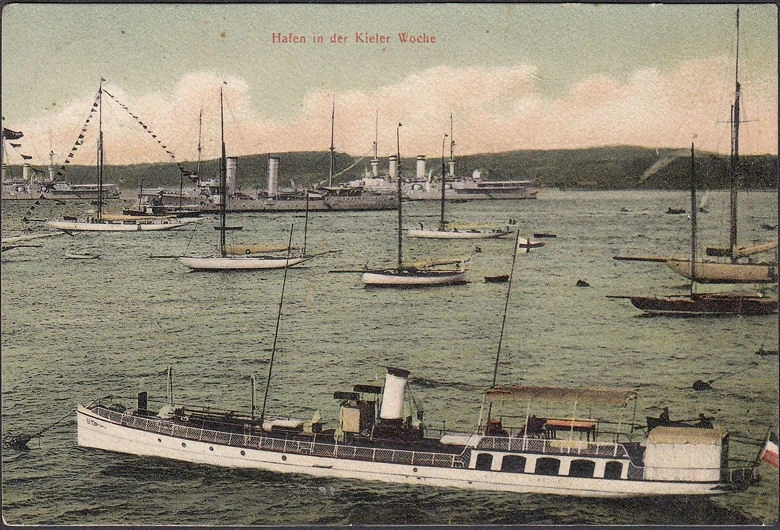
(76, 330)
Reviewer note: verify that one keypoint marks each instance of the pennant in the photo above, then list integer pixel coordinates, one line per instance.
(26, 157)
(8, 134)
(769, 453)
(15, 145)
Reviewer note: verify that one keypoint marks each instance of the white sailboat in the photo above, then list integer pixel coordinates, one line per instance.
(732, 271)
(445, 230)
(695, 304)
(227, 259)
(413, 275)
(106, 223)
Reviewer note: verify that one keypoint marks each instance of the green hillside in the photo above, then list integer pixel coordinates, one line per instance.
(614, 167)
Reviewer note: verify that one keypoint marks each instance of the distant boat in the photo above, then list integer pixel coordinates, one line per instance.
(500, 278)
(412, 276)
(675, 211)
(81, 255)
(226, 261)
(101, 223)
(444, 230)
(528, 243)
(732, 271)
(703, 303)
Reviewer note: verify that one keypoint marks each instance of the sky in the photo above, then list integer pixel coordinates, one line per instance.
(512, 76)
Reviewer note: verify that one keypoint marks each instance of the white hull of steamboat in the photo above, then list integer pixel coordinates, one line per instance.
(297, 456)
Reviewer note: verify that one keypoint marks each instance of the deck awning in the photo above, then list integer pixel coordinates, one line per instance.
(616, 397)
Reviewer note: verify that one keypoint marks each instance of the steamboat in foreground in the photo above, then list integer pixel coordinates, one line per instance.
(375, 440)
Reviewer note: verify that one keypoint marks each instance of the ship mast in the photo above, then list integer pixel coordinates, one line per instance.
(200, 147)
(332, 149)
(400, 209)
(735, 168)
(693, 222)
(100, 151)
(222, 178)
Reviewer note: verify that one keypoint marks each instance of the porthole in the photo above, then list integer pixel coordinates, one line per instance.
(284, 458)
(183, 444)
(414, 469)
(243, 453)
(211, 448)
(159, 440)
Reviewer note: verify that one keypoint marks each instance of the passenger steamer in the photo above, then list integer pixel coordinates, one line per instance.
(376, 440)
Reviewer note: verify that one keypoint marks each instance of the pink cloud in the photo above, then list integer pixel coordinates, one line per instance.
(495, 109)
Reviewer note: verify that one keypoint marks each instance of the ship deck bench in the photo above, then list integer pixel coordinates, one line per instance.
(553, 425)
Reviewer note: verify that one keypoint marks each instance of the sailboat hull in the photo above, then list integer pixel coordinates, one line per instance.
(713, 272)
(456, 234)
(240, 263)
(415, 278)
(706, 304)
(127, 226)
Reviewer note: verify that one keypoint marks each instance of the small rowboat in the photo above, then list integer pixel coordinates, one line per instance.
(500, 278)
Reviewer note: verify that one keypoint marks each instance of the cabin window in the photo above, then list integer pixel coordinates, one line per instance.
(547, 466)
(582, 468)
(513, 464)
(484, 461)
(613, 470)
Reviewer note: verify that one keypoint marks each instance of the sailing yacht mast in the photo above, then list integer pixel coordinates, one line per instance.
(735, 169)
(200, 147)
(100, 152)
(452, 149)
(222, 178)
(332, 148)
(693, 223)
(441, 219)
(400, 209)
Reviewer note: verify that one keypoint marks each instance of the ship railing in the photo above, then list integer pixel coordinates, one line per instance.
(553, 446)
(285, 444)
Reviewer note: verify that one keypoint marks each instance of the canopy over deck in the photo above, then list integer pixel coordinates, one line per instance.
(617, 397)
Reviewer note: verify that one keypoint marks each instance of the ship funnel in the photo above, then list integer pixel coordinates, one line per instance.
(393, 166)
(421, 167)
(273, 175)
(452, 168)
(393, 395)
(230, 174)
(375, 167)
(26, 172)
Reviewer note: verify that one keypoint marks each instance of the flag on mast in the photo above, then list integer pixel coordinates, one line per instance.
(769, 453)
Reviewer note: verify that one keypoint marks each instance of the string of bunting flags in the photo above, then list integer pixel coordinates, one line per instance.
(93, 109)
(149, 131)
(80, 139)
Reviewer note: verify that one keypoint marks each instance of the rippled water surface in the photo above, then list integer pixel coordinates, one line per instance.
(74, 330)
